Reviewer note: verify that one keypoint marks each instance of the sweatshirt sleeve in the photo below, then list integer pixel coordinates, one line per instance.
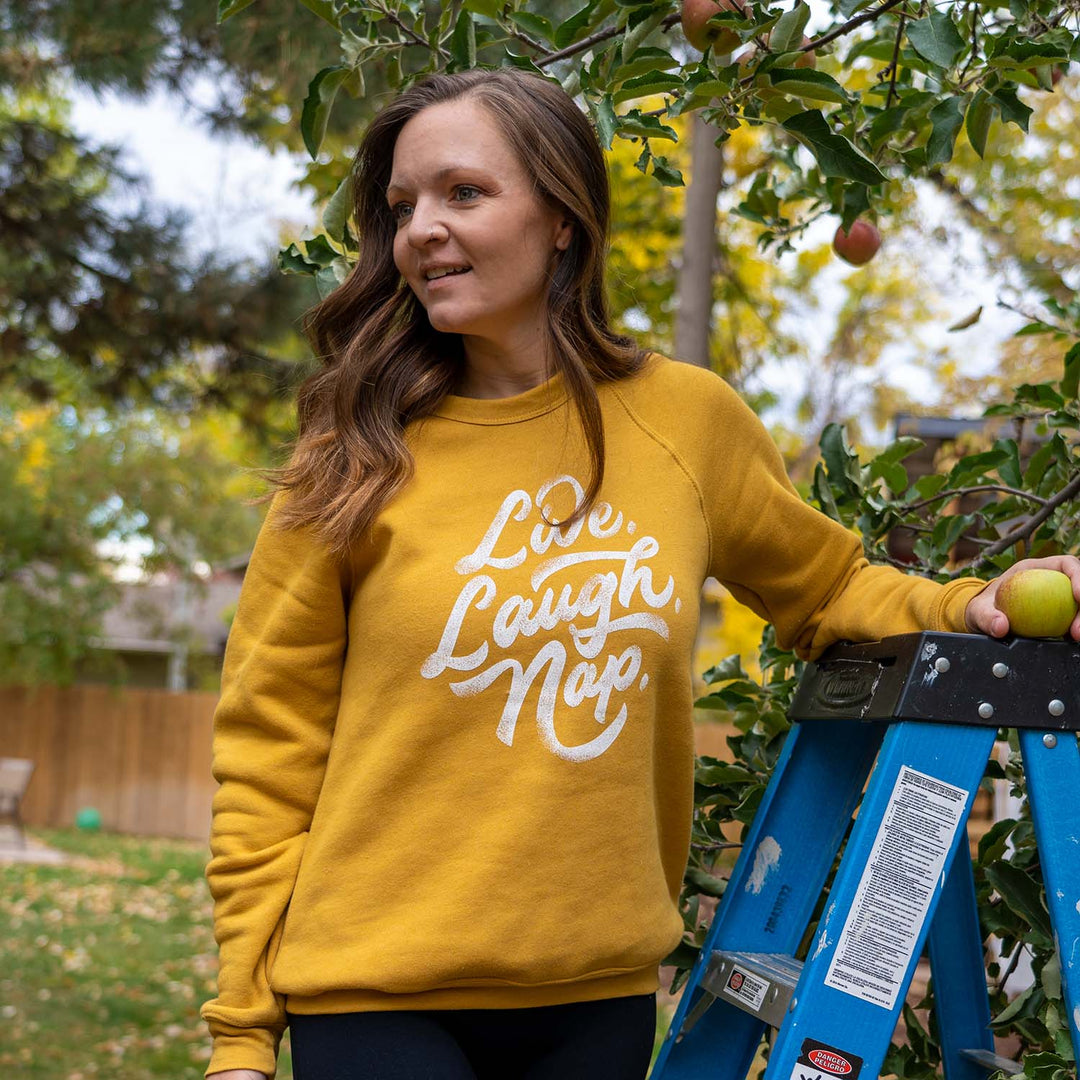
(280, 687)
(795, 566)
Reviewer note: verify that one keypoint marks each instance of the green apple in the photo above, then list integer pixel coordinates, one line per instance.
(1038, 603)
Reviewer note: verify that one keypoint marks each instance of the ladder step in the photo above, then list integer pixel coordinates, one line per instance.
(989, 1060)
(760, 984)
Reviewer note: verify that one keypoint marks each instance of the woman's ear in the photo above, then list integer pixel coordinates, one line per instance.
(564, 235)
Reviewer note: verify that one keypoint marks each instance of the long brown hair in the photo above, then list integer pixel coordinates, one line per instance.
(384, 365)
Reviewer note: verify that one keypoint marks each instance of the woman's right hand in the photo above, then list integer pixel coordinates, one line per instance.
(237, 1074)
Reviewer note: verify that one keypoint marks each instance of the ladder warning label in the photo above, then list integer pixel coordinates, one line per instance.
(897, 885)
(819, 1061)
(746, 987)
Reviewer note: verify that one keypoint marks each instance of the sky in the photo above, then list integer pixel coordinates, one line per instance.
(237, 191)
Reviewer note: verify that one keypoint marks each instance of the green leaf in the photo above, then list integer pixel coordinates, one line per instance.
(656, 82)
(228, 8)
(637, 124)
(886, 123)
(336, 212)
(840, 460)
(1041, 395)
(706, 883)
(291, 260)
(993, 842)
(1020, 894)
(1018, 1005)
(533, 24)
(1072, 372)
(569, 31)
(723, 774)
(325, 10)
(645, 59)
(808, 83)
(895, 476)
(666, 173)
(320, 98)
(1009, 469)
(1051, 978)
(835, 155)
(945, 118)
(849, 7)
(1028, 54)
(787, 34)
(930, 485)
(320, 251)
(603, 113)
(729, 668)
(328, 279)
(463, 41)
(1011, 108)
(823, 494)
(975, 466)
(902, 448)
(977, 122)
(525, 63)
(936, 38)
(488, 8)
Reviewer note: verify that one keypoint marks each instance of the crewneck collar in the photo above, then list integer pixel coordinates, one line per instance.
(541, 399)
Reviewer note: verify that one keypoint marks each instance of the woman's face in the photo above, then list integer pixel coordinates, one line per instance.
(462, 201)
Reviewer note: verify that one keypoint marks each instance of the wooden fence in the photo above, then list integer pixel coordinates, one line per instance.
(140, 757)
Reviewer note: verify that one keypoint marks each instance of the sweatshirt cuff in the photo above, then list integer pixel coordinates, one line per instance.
(244, 1048)
(955, 598)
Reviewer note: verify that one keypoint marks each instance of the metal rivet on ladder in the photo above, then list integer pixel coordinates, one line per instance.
(986, 710)
(942, 664)
(1000, 670)
(1049, 741)
(792, 1004)
(1056, 707)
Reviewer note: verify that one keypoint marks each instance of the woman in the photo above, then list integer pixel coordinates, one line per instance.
(454, 739)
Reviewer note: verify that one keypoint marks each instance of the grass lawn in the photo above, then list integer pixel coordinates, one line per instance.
(105, 961)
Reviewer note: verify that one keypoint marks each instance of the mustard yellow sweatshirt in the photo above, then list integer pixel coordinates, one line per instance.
(457, 771)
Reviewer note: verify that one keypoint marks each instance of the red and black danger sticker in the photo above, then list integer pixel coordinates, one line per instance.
(821, 1062)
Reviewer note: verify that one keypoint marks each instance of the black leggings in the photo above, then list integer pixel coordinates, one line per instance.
(610, 1039)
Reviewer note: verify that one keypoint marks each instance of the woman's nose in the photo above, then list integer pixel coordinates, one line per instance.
(425, 226)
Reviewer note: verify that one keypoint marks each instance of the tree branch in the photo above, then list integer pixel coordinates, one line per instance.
(594, 39)
(973, 491)
(894, 63)
(851, 24)
(1022, 532)
(1039, 319)
(416, 38)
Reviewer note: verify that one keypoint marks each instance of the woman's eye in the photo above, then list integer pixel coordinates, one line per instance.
(467, 191)
(397, 211)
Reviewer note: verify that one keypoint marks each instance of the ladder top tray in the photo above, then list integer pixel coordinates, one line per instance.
(946, 678)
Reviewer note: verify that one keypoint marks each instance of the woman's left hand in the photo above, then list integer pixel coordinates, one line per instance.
(983, 616)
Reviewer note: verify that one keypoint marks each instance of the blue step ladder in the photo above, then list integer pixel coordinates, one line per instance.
(922, 711)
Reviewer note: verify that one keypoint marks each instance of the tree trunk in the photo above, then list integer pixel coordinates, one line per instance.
(694, 295)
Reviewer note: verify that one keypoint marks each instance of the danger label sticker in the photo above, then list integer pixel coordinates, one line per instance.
(819, 1061)
(746, 987)
(878, 940)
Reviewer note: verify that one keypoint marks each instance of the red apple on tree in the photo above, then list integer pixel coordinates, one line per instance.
(695, 23)
(807, 59)
(859, 245)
